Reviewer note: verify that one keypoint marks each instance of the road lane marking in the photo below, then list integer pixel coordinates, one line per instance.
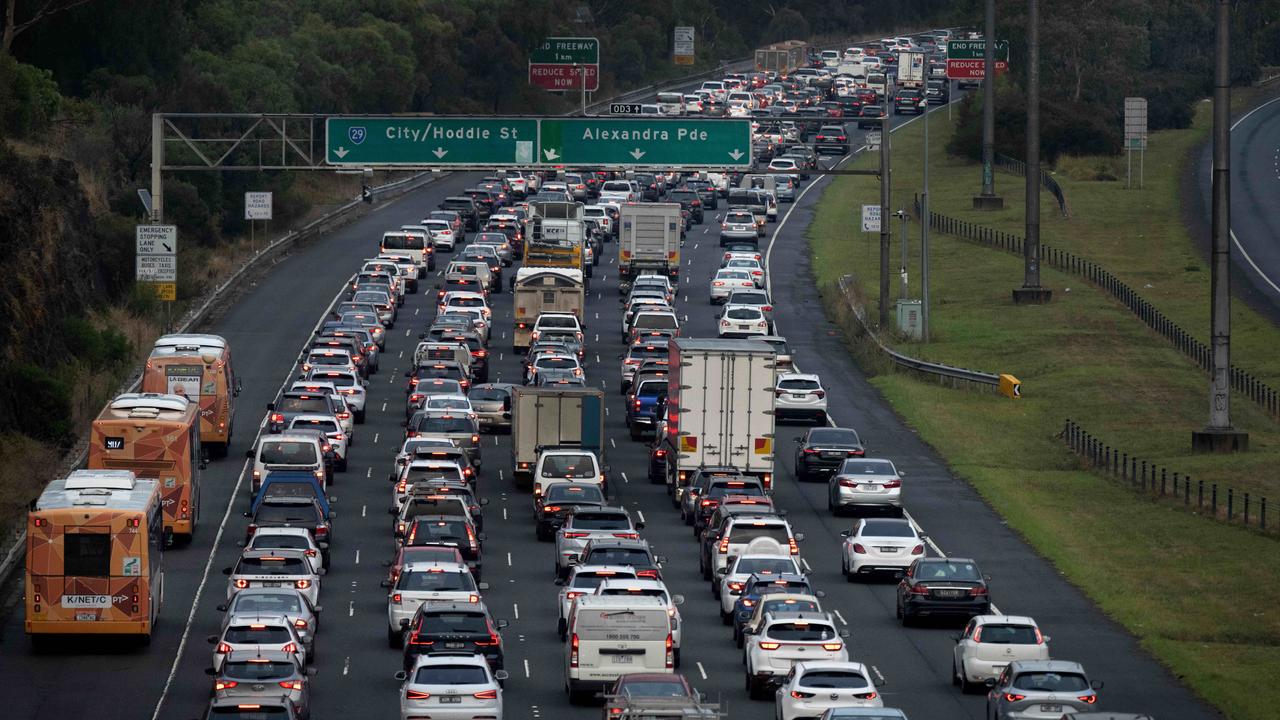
(516, 608)
(1240, 247)
(879, 675)
(841, 618)
(624, 478)
(369, 472)
(222, 526)
(363, 510)
(508, 554)
(526, 667)
(357, 556)
(701, 670)
(384, 407)
(351, 608)
(375, 438)
(612, 444)
(504, 513)
(640, 514)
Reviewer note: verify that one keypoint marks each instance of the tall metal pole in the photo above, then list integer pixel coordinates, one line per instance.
(1219, 435)
(988, 200)
(885, 234)
(1031, 291)
(903, 284)
(157, 162)
(924, 233)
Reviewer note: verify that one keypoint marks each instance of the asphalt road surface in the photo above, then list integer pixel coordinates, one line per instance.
(1255, 202)
(268, 326)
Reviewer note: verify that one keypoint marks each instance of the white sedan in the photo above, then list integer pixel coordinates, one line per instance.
(812, 687)
(879, 544)
(728, 280)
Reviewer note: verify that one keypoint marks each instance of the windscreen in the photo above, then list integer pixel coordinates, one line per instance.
(432, 532)
(1008, 635)
(1051, 682)
(618, 556)
(444, 581)
(309, 404)
(565, 492)
(623, 623)
(285, 514)
(269, 541)
(568, 466)
(834, 679)
(443, 424)
(886, 528)
(286, 452)
(451, 675)
(764, 566)
(948, 570)
(748, 532)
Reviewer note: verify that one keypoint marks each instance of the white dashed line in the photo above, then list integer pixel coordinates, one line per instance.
(702, 671)
(526, 667)
(841, 618)
(357, 556)
(516, 608)
(351, 608)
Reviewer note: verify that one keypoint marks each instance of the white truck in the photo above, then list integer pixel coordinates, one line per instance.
(649, 239)
(543, 417)
(720, 401)
(541, 290)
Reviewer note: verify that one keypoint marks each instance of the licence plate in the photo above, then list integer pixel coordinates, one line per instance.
(622, 660)
(799, 396)
(452, 645)
(270, 584)
(86, 617)
(832, 454)
(949, 593)
(889, 549)
(1051, 708)
(451, 698)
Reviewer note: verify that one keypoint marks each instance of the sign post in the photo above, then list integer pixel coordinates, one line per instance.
(1135, 137)
(156, 259)
(566, 63)
(257, 206)
(965, 59)
(682, 45)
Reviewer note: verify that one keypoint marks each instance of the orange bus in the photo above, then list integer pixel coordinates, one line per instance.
(95, 546)
(155, 436)
(199, 368)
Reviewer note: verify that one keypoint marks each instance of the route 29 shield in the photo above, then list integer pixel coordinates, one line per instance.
(356, 134)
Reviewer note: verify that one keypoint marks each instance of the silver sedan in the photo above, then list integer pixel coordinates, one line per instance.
(871, 483)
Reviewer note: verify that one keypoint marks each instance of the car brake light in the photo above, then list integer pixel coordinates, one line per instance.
(800, 695)
(670, 654)
(977, 591)
(917, 550)
(832, 646)
(1014, 697)
(289, 648)
(291, 684)
(652, 574)
(573, 653)
(866, 696)
(1088, 699)
(770, 645)
(303, 584)
(416, 695)
(222, 649)
(486, 695)
(574, 535)
(735, 587)
(919, 589)
(225, 684)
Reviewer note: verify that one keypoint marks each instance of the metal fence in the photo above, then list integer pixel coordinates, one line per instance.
(1018, 167)
(1150, 478)
(937, 371)
(1244, 383)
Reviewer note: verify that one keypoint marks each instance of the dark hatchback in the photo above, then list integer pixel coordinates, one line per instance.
(823, 450)
(552, 507)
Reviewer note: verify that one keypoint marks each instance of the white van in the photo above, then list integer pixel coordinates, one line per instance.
(716, 88)
(615, 635)
(671, 103)
(428, 350)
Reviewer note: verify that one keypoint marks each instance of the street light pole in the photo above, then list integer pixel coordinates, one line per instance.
(988, 199)
(924, 233)
(885, 234)
(1031, 292)
(1219, 435)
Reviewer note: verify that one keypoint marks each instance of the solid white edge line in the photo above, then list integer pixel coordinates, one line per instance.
(1245, 253)
(217, 539)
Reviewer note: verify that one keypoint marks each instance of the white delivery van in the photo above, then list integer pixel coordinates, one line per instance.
(615, 635)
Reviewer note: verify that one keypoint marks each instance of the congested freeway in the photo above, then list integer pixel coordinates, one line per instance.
(273, 327)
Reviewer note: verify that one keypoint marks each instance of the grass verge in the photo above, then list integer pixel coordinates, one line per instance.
(1195, 592)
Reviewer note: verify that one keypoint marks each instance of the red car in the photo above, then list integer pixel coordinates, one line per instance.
(671, 689)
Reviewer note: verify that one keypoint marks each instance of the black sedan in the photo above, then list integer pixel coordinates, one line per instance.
(870, 116)
(551, 508)
(823, 449)
(943, 587)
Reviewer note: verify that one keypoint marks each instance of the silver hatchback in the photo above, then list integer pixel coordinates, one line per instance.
(1040, 690)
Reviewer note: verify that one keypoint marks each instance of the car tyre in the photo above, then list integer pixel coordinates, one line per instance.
(359, 417)
(394, 639)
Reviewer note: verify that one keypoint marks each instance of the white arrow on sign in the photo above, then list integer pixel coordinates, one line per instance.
(637, 153)
(551, 154)
(341, 152)
(439, 152)
(736, 154)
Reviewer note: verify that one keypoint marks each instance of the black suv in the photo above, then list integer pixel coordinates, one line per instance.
(466, 207)
(454, 627)
(689, 200)
(832, 138)
(907, 101)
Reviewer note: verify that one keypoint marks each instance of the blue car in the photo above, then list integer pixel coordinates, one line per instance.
(642, 407)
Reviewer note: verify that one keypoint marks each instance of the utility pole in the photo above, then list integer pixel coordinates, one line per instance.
(924, 232)
(1219, 435)
(885, 234)
(1031, 293)
(988, 199)
(906, 242)
(157, 162)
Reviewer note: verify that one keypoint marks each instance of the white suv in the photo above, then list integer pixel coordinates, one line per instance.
(786, 639)
(800, 395)
(422, 581)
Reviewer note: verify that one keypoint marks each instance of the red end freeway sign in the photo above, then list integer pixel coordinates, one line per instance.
(554, 76)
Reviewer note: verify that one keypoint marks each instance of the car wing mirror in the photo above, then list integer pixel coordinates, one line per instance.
(846, 533)
(844, 634)
(385, 583)
(401, 675)
(221, 608)
(503, 624)
(482, 586)
(404, 623)
(212, 639)
(501, 675)
(820, 594)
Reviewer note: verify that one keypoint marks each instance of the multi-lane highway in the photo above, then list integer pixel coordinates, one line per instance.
(268, 326)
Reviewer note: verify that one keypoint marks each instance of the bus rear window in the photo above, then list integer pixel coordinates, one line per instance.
(86, 554)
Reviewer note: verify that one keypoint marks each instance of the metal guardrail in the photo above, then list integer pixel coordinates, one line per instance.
(1244, 383)
(1047, 181)
(937, 370)
(1153, 479)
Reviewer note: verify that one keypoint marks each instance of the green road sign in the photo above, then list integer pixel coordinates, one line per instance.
(430, 141)
(614, 142)
(567, 51)
(975, 50)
